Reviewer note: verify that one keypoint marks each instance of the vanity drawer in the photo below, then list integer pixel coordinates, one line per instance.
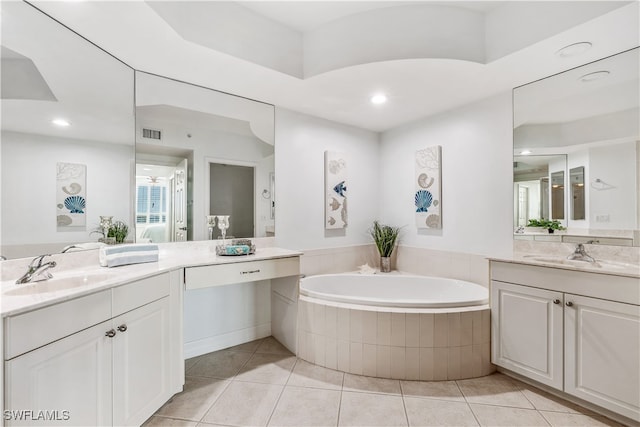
(34, 329)
(240, 272)
(139, 293)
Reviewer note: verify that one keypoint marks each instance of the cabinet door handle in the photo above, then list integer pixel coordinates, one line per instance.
(111, 333)
(556, 301)
(122, 328)
(569, 304)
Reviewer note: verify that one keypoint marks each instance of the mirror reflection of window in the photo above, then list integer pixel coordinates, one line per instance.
(576, 176)
(557, 195)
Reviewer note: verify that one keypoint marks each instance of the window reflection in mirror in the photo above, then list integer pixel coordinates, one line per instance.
(596, 125)
(576, 178)
(557, 195)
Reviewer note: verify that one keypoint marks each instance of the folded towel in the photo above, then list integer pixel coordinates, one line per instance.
(114, 256)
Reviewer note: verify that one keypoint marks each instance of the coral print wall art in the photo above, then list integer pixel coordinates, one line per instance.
(335, 179)
(428, 204)
(71, 194)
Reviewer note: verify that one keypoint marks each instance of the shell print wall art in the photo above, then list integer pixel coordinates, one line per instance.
(71, 196)
(335, 179)
(428, 188)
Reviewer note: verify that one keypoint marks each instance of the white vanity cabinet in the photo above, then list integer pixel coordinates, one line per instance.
(116, 372)
(527, 332)
(575, 331)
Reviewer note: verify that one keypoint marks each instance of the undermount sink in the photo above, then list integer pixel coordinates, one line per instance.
(599, 264)
(56, 284)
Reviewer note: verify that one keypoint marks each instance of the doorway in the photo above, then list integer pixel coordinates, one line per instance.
(231, 192)
(161, 201)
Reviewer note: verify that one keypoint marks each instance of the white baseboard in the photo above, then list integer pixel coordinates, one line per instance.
(222, 341)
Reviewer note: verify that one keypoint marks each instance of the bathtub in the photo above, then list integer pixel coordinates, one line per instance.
(394, 290)
(395, 326)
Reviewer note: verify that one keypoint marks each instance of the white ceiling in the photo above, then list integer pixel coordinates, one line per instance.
(524, 37)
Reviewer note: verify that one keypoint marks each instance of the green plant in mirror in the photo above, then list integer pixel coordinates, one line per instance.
(545, 223)
(385, 237)
(119, 230)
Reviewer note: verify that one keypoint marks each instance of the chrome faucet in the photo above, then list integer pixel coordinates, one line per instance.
(580, 254)
(37, 270)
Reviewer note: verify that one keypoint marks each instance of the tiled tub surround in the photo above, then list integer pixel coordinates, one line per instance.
(407, 344)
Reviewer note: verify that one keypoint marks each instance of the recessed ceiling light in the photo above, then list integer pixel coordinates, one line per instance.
(525, 152)
(574, 49)
(146, 169)
(61, 122)
(596, 75)
(379, 98)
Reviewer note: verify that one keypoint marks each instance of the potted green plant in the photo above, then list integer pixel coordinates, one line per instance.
(551, 226)
(385, 237)
(119, 230)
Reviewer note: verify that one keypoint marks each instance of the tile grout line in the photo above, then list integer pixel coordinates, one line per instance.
(340, 401)
(475, 417)
(229, 381)
(284, 386)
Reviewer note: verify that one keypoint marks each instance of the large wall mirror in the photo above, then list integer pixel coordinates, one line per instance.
(67, 135)
(577, 150)
(201, 153)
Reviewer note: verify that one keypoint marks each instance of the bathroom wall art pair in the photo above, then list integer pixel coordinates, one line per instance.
(427, 196)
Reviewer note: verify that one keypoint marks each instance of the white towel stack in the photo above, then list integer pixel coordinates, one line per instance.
(114, 256)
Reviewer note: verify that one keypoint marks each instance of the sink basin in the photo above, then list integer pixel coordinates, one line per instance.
(56, 284)
(599, 264)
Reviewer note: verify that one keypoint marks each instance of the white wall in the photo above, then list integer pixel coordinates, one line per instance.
(477, 158)
(616, 165)
(29, 166)
(301, 142)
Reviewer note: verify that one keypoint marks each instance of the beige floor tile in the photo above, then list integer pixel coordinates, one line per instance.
(267, 368)
(222, 364)
(156, 421)
(544, 401)
(197, 397)
(188, 363)
(306, 374)
(429, 412)
(489, 415)
(306, 407)
(249, 347)
(244, 404)
(367, 409)
(444, 390)
(271, 345)
(369, 384)
(578, 420)
(496, 389)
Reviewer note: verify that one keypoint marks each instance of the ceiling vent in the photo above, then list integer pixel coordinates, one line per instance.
(152, 134)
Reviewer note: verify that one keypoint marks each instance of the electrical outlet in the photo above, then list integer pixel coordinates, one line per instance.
(602, 218)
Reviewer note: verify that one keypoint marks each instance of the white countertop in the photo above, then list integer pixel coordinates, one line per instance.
(172, 256)
(551, 260)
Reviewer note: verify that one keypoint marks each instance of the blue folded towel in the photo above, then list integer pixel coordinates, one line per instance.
(114, 256)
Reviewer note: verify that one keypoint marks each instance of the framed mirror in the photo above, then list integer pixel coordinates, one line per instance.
(67, 135)
(223, 147)
(589, 115)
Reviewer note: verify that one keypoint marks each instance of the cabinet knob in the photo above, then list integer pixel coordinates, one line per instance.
(122, 328)
(111, 333)
(556, 301)
(569, 304)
